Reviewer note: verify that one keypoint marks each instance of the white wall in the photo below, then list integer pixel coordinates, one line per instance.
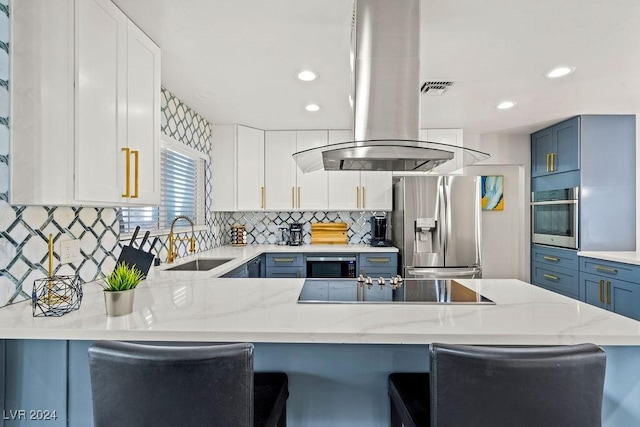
(505, 234)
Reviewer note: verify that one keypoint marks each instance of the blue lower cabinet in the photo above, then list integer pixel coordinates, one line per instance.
(561, 280)
(611, 294)
(238, 273)
(285, 266)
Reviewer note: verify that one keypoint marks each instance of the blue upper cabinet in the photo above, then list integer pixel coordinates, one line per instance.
(556, 149)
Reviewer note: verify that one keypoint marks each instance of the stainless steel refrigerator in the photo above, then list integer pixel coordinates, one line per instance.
(436, 226)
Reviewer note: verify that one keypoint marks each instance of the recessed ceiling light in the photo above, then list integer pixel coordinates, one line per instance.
(306, 76)
(312, 107)
(560, 71)
(505, 105)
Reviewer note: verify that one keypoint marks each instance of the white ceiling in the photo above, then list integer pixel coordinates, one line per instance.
(244, 55)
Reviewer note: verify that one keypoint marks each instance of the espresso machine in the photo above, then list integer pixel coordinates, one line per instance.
(295, 234)
(379, 231)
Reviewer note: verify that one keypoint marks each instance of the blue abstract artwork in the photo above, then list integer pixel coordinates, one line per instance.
(492, 193)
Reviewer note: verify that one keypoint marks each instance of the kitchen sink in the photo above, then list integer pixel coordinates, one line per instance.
(201, 264)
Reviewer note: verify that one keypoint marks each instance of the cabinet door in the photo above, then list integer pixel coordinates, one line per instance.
(312, 188)
(280, 170)
(143, 116)
(376, 192)
(344, 186)
(251, 196)
(565, 138)
(623, 298)
(101, 93)
(592, 290)
(223, 168)
(540, 150)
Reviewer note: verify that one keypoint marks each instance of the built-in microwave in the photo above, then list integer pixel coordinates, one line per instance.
(331, 266)
(554, 217)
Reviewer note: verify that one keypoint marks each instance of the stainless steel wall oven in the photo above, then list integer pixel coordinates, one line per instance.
(554, 217)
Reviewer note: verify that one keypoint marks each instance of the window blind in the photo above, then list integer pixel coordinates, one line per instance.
(182, 193)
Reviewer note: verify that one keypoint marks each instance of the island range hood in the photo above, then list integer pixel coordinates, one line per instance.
(385, 60)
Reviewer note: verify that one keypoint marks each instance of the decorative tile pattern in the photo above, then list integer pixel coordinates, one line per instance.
(262, 227)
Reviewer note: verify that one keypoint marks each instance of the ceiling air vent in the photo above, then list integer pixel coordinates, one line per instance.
(435, 88)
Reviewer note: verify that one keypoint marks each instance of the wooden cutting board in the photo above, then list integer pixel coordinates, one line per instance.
(329, 233)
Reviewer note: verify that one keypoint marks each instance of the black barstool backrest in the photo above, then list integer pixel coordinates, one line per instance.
(151, 385)
(519, 386)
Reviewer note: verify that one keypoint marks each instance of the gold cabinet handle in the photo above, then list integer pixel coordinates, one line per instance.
(364, 199)
(553, 162)
(127, 168)
(135, 174)
(548, 157)
(357, 196)
(551, 258)
(600, 297)
(283, 260)
(551, 277)
(298, 197)
(379, 260)
(608, 292)
(261, 197)
(293, 197)
(606, 269)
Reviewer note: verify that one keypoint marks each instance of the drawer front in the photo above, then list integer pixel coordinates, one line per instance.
(563, 280)
(378, 260)
(286, 272)
(285, 260)
(613, 270)
(564, 258)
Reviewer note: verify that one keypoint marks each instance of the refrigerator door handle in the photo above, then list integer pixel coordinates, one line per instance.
(442, 220)
(437, 273)
(447, 192)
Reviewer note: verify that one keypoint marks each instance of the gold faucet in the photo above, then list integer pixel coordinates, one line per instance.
(173, 254)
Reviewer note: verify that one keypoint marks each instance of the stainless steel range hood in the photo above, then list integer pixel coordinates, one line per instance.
(385, 60)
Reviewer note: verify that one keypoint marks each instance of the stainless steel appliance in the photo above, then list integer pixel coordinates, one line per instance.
(283, 236)
(379, 231)
(436, 226)
(554, 217)
(331, 266)
(411, 291)
(295, 234)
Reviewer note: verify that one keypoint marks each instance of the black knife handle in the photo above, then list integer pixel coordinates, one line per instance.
(135, 235)
(144, 239)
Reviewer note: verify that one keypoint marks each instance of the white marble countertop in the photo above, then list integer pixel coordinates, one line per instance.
(242, 254)
(624, 257)
(184, 308)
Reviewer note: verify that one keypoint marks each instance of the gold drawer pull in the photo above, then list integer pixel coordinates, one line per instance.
(293, 197)
(606, 269)
(379, 260)
(364, 198)
(261, 197)
(608, 292)
(135, 174)
(548, 158)
(551, 277)
(283, 259)
(553, 162)
(551, 258)
(357, 196)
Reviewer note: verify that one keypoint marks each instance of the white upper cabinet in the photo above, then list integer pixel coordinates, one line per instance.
(280, 170)
(286, 187)
(353, 190)
(312, 191)
(237, 167)
(85, 115)
(251, 189)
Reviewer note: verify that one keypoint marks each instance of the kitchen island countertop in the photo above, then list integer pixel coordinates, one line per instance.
(174, 306)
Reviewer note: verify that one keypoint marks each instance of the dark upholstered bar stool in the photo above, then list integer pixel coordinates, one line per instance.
(140, 385)
(502, 386)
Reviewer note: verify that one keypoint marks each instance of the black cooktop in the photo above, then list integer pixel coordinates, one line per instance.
(411, 291)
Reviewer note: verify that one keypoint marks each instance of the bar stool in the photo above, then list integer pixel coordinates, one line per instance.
(502, 386)
(191, 385)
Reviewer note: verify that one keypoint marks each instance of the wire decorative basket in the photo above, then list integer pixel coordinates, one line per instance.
(56, 296)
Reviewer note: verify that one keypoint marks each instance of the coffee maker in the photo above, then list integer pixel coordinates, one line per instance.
(379, 231)
(295, 234)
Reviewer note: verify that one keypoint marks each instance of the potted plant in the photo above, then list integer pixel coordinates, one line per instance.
(119, 289)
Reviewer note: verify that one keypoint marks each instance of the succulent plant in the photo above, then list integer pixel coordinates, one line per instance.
(123, 278)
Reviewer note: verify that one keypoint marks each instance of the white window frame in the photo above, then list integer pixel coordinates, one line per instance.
(170, 143)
